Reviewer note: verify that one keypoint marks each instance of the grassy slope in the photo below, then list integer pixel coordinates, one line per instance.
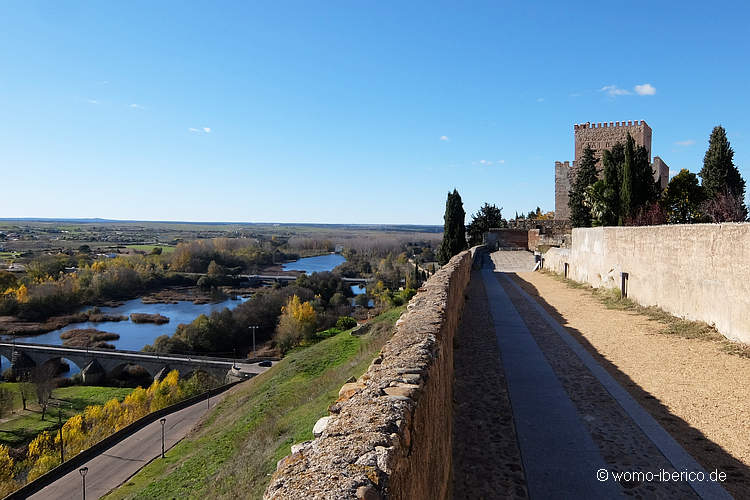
(21, 429)
(232, 454)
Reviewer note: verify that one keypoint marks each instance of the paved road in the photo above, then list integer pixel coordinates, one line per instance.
(513, 260)
(118, 463)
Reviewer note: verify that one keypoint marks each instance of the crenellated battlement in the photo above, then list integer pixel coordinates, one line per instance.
(600, 136)
(629, 123)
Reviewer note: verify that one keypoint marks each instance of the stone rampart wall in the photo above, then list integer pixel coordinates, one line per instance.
(389, 435)
(509, 238)
(695, 271)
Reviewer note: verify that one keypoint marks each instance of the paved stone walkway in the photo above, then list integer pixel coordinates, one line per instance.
(570, 419)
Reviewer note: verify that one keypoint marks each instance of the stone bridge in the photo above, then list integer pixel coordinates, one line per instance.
(95, 364)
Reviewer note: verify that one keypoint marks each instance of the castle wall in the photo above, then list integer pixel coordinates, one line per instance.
(601, 136)
(661, 172)
(690, 270)
(562, 189)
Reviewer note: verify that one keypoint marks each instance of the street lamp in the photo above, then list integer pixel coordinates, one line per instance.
(253, 328)
(83, 471)
(163, 421)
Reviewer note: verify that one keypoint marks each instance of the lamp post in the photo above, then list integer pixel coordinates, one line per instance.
(253, 328)
(163, 421)
(83, 471)
(59, 422)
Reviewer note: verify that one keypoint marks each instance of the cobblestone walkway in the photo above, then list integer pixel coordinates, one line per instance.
(535, 416)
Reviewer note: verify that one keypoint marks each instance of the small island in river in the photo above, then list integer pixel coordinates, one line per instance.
(88, 337)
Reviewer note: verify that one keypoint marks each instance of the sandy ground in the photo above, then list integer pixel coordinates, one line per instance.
(698, 392)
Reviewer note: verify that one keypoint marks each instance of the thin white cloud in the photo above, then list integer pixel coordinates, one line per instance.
(614, 90)
(92, 101)
(488, 163)
(136, 106)
(207, 130)
(540, 99)
(193, 129)
(685, 143)
(444, 138)
(645, 89)
(575, 94)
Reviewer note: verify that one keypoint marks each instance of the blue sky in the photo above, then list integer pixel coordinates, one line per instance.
(345, 112)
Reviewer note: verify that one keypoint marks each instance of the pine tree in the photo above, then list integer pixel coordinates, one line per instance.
(488, 216)
(454, 232)
(719, 173)
(626, 186)
(580, 214)
(683, 198)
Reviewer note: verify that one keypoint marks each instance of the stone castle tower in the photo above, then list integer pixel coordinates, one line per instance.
(601, 136)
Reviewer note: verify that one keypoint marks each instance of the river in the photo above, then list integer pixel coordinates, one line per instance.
(134, 336)
(316, 264)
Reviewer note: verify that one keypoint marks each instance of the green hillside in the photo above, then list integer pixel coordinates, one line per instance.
(236, 448)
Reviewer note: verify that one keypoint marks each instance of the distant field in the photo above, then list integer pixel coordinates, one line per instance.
(21, 429)
(165, 249)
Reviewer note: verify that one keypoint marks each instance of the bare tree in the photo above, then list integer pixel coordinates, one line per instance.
(725, 207)
(25, 388)
(43, 379)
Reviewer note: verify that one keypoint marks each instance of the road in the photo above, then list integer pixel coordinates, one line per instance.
(115, 465)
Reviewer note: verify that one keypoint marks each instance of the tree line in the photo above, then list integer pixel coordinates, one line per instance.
(626, 193)
(95, 423)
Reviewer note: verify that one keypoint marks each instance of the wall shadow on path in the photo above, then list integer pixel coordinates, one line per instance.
(709, 454)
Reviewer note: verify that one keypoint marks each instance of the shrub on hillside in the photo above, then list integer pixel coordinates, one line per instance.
(346, 322)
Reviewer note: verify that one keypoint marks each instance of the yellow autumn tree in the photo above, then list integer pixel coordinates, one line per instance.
(166, 392)
(40, 445)
(297, 322)
(74, 437)
(44, 464)
(7, 485)
(6, 464)
(22, 294)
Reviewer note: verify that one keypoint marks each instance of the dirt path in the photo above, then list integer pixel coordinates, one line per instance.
(698, 393)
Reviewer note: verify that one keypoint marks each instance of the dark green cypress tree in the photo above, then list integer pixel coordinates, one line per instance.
(454, 231)
(645, 189)
(612, 160)
(719, 173)
(580, 214)
(626, 181)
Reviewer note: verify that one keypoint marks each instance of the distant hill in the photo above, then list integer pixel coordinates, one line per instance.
(371, 227)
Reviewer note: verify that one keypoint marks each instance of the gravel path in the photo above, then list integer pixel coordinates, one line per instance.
(622, 444)
(697, 392)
